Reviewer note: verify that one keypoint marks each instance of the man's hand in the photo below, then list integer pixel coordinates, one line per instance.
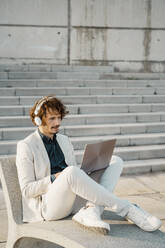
(57, 174)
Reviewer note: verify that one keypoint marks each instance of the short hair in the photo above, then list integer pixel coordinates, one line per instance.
(45, 104)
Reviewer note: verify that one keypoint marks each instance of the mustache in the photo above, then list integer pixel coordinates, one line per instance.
(55, 126)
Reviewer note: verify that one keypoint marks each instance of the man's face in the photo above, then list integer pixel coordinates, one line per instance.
(52, 122)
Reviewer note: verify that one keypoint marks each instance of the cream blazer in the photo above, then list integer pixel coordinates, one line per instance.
(33, 167)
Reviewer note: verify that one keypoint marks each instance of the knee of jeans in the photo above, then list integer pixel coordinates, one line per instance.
(117, 160)
(71, 170)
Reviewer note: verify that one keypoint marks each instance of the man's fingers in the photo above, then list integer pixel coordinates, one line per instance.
(57, 174)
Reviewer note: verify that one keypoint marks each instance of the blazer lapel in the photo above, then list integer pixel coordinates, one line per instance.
(64, 147)
(42, 149)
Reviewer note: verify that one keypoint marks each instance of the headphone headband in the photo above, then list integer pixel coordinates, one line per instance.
(37, 119)
(41, 102)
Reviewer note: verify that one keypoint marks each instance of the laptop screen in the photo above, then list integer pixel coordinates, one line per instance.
(97, 156)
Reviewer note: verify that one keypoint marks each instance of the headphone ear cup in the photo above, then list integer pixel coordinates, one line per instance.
(37, 121)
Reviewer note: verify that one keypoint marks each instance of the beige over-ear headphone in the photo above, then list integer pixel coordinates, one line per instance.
(37, 119)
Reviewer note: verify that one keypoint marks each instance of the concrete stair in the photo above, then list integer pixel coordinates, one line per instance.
(103, 105)
(64, 91)
(82, 119)
(116, 83)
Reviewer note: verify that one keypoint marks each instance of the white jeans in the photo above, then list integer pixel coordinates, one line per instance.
(58, 202)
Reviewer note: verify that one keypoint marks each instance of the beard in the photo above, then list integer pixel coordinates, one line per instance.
(55, 128)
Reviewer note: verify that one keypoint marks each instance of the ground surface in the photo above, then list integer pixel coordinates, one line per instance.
(148, 191)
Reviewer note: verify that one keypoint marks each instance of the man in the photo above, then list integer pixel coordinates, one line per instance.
(50, 179)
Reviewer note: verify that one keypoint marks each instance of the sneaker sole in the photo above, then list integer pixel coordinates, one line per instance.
(100, 230)
(156, 228)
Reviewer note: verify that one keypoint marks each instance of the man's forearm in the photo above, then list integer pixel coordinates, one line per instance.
(36, 188)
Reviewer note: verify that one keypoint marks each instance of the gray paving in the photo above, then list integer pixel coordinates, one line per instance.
(122, 235)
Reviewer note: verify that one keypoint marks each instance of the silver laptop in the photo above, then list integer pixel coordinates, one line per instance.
(97, 158)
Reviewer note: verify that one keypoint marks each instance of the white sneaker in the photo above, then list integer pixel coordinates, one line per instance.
(89, 217)
(144, 220)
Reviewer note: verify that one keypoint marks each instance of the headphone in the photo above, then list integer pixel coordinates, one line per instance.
(37, 119)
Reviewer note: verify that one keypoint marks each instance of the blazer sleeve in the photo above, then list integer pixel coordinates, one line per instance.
(30, 187)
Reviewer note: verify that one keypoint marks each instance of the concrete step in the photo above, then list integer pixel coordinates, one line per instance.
(141, 152)
(121, 140)
(132, 166)
(8, 147)
(54, 67)
(18, 83)
(139, 134)
(15, 121)
(89, 109)
(79, 75)
(74, 68)
(113, 129)
(50, 75)
(132, 75)
(24, 121)
(3, 75)
(9, 134)
(115, 83)
(27, 100)
(133, 153)
(91, 131)
(143, 166)
(39, 91)
(9, 100)
(17, 133)
(116, 108)
(126, 153)
(135, 101)
(113, 118)
(14, 110)
(126, 99)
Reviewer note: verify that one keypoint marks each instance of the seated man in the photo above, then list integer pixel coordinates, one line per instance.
(50, 179)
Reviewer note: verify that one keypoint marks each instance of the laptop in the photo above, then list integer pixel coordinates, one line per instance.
(97, 158)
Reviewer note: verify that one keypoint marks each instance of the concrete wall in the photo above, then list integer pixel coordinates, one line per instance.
(129, 34)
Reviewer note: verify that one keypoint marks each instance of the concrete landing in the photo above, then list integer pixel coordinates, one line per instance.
(147, 190)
